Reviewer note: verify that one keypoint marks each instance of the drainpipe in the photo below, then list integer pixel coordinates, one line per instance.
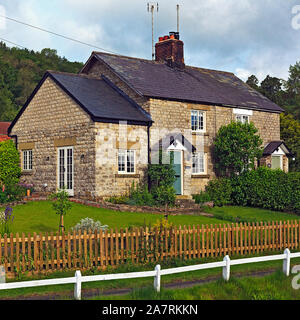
(15, 137)
(149, 160)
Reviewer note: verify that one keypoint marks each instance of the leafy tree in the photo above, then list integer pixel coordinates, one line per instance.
(10, 171)
(253, 82)
(271, 87)
(236, 148)
(61, 205)
(290, 133)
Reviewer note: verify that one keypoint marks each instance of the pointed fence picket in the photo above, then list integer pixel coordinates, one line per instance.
(100, 249)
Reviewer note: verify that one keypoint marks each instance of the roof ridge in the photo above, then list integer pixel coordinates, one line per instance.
(158, 62)
(74, 74)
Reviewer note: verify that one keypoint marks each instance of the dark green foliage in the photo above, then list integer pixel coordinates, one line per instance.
(164, 195)
(236, 147)
(10, 171)
(219, 191)
(262, 188)
(140, 196)
(20, 72)
(202, 197)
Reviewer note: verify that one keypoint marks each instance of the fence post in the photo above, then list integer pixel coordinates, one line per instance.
(287, 262)
(2, 273)
(77, 287)
(226, 268)
(157, 279)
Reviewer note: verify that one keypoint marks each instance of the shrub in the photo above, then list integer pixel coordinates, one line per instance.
(219, 191)
(89, 224)
(262, 188)
(12, 192)
(202, 197)
(164, 195)
(10, 170)
(140, 196)
(124, 199)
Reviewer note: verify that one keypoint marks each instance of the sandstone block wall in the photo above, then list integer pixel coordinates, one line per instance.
(53, 117)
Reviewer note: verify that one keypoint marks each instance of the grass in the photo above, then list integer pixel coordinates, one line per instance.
(65, 291)
(38, 216)
(272, 287)
(249, 214)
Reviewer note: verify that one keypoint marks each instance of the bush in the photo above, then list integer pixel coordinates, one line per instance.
(119, 199)
(10, 170)
(140, 196)
(89, 224)
(202, 197)
(219, 191)
(262, 188)
(12, 192)
(164, 195)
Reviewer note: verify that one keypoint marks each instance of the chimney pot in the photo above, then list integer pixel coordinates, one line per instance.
(170, 51)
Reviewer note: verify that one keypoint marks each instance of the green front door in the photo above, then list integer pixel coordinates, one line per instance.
(176, 161)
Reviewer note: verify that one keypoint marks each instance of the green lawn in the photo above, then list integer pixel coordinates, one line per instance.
(197, 292)
(249, 214)
(272, 287)
(40, 217)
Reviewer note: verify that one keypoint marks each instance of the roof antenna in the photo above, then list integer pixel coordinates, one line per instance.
(151, 6)
(178, 18)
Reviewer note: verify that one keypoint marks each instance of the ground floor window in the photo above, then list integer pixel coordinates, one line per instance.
(27, 160)
(276, 162)
(198, 163)
(126, 161)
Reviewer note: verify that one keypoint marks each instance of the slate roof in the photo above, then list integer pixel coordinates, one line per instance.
(273, 145)
(156, 79)
(100, 98)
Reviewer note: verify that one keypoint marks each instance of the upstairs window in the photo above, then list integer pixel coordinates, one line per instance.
(242, 118)
(198, 163)
(198, 120)
(126, 161)
(27, 160)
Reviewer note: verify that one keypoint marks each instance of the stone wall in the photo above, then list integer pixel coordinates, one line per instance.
(52, 118)
(109, 138)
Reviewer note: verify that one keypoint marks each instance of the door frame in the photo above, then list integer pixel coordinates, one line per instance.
(70, 191)
(181, 167)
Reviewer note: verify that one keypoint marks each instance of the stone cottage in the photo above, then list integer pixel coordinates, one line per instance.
(95, 132)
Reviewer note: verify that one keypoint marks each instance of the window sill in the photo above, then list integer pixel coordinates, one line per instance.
(201, 176)
(202, 133)
(127, 175)
(27, 172)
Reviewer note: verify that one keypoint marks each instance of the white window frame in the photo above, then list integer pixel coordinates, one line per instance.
(125, 161)
(27, 160)
(204, 172)
(198, 112)
(70, 191)
(242, 118)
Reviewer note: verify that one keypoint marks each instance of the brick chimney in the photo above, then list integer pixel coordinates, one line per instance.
(170, 49)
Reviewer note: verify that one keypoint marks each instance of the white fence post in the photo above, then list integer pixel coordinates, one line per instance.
(77, 287)
(2, 274)
(287, 262)
(226, 268)
(157, 279)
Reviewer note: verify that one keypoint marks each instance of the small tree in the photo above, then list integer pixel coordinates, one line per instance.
(236, 148)
(61, 205)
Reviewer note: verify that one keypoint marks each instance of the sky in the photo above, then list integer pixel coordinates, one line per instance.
(260, 37)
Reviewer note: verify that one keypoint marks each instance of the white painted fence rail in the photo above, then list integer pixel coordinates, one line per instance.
(157, 273)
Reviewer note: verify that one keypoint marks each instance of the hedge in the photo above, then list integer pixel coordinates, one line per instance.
(262, 188)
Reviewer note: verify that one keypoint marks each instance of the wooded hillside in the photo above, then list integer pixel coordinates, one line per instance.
(20, 72)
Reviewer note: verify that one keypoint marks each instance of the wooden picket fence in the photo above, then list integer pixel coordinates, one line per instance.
(39, 252)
